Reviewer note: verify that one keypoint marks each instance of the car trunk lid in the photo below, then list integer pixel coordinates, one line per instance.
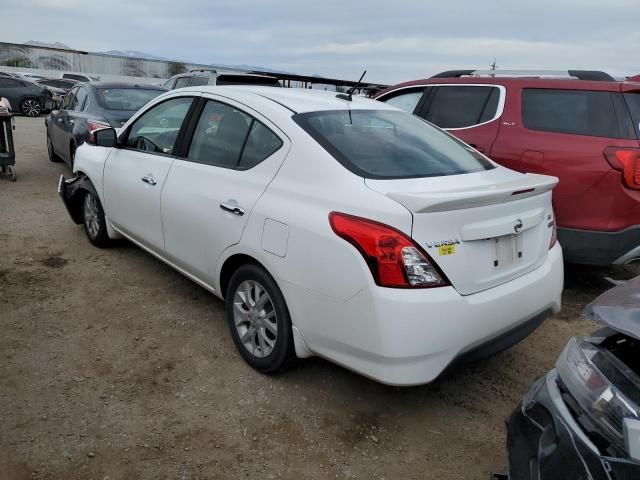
(482, 229)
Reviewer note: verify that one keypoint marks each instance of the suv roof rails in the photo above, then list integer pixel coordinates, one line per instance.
(213, 70)
(594, 75)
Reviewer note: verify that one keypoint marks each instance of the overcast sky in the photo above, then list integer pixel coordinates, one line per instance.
(395, 40)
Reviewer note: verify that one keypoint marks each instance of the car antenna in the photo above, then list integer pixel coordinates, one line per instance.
(348, 96)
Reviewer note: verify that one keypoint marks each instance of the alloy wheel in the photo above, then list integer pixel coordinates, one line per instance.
(255, 318)
(31, 107)
(91, 215)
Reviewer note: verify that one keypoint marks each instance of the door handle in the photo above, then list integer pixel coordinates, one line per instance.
(480, 149)
(236, 210)
(149, 179)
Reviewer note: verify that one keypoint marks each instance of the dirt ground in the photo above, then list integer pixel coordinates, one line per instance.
(113, 366)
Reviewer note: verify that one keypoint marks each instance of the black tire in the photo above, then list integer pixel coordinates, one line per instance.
(31, 107)
(282, 355)
(50, 151)
(95, 225)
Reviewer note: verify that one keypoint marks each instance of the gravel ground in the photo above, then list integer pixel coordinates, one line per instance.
(114, 366)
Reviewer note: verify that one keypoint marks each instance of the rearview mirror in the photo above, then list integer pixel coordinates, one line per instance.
(105, 137)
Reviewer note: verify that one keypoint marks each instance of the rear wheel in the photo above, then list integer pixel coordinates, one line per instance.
(31, 107)
(259, 320)
(95, 225)
(52, 154)
(11, 173)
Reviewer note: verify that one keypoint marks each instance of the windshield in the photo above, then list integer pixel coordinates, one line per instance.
(633, 100)
(125, 98)
(390, 144)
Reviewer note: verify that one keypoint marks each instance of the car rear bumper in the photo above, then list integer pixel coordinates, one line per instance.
(544, 442)
(408, 337)
(600, 248)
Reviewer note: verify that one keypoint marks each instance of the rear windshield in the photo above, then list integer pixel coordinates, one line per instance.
(125, 98)
(390, 144)
(633, 101)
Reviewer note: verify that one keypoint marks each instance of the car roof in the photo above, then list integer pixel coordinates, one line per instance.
(559, 83)
(298, 100)
(107, 84)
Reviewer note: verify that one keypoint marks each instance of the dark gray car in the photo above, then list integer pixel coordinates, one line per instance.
(25, 96)
(89, 107)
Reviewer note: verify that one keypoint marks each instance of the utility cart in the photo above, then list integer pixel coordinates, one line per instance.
(7, 152)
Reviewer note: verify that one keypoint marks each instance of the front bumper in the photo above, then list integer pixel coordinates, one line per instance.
(544, 442)
(408, 337)
(600, 248)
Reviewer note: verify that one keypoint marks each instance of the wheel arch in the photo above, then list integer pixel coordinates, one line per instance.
(76, 193)
(230, 265)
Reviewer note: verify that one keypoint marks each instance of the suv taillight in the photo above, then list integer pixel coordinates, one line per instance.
(393, 258)
(627, 161)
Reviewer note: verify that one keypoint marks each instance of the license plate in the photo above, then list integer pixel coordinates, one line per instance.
(508, 250)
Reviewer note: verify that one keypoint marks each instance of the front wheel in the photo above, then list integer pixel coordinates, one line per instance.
(259, 320)
(95, 225)
(31, 107)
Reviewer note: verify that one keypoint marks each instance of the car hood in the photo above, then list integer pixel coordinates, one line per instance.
(618, 308)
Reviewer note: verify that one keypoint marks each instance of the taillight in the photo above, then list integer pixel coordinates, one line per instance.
(93, 126)
(393, 258)
(627, 161)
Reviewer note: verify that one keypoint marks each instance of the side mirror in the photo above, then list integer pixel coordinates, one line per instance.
(105, 137)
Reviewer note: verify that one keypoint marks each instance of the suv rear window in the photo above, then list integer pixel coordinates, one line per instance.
(462, 106)
(577, 112)
(633, 101)
(387, 144)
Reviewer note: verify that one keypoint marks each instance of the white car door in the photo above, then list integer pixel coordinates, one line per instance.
(135, 173)
(209, 195)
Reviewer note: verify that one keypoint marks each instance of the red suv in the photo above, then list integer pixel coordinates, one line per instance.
(580, 126)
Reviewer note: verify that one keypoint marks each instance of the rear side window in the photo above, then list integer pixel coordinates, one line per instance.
(390, 144)
(462, 106)
(229, 138)
(199, 80)
(406, 100)
(577, 112)
(633, 102)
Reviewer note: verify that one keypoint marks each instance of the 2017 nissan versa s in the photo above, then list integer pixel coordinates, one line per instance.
(332, 226)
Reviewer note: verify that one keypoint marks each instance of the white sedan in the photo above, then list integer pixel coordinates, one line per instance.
(332, 226)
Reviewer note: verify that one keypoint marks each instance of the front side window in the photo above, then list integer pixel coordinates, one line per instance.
(407, 100)
(387, 144)
(169, 83)
(578, 112)
(69, 99)
(182, 82)
(229, 138)
(157, 129)
(462, 106)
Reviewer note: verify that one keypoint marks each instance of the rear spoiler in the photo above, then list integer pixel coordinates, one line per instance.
(528, 185)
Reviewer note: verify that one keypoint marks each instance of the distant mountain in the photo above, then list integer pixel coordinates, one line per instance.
(35, 43)
(133, 53)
